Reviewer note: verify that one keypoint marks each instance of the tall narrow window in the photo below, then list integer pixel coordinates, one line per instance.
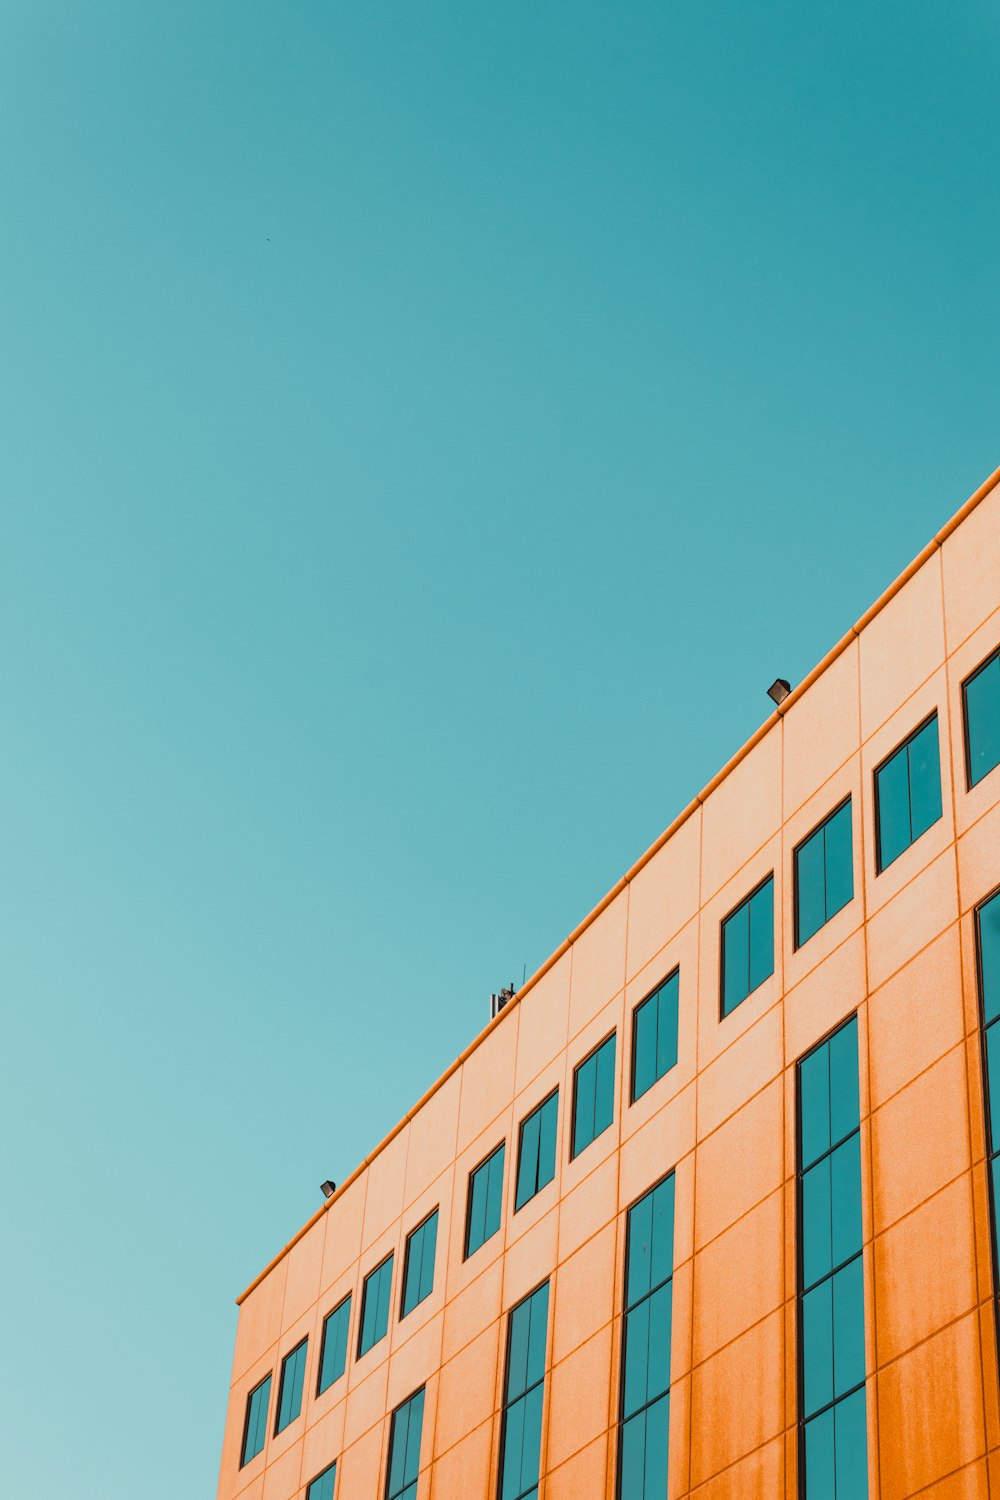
(536, 1150)
(594, 1095)
(748, 946)
(375, 1306)
(988, 950)
(485, 1208)
(418, 1265)
(404, 1449)
(654, 1035)
(322, 1486)
(833, 1448)
(644, 1430)
(293, 1371)
(524, 1390)
(824, 873)
(255, 1425)
(981, 699)
(907, 793)
(333, 1346)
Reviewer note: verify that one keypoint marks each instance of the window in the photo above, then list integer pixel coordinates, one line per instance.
(485, 1201)
(255, 1426)
(594, 1095)
(322, 1486)
(333, 1346)
(654, 1035)
(748, 946)
(524, 1392)
(536, 1150)
(833, 1443)
(981, 700)
(907, 793)
(375, 1306)
(404, 1449)
(824, 873)
(988, 948)
(644, 1426)
(293, 1370)
(418, 1264)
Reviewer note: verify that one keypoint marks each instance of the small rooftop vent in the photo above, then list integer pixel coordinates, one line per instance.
(497, 1002)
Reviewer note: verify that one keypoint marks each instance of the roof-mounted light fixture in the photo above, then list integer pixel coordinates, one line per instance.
(328, 1188)
(779, 690)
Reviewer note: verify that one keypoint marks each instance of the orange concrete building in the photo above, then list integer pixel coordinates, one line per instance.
(708, 1208)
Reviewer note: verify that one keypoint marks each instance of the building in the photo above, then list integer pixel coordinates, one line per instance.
(708, 1209)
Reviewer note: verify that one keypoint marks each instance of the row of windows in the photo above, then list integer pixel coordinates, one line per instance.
(593, 1112)
(907, 801)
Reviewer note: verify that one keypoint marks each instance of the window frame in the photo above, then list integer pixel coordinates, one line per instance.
(573, 1153)
(798, 944)
(801, 1421)
(992, 1148)
(265, 1380)
(675, 973)
(404, 1312)
(506, 1404)
(745, 901)
(626, 1309)
(303, 1343)
(421, 1390)
(360, 1353)
(552, 1094)
(466, 1252)
(322, 1389)
(904, 744)
(322, 1475)
(970, 785)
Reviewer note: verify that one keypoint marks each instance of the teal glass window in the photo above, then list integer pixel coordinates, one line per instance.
(333, 1345)
(375, 1295)
(524, 1392)
(824, 873)
(536, 1150)
(594, 1095)
(748, 946)
(644, 1424)
(323, 1485)
(293, 1372)
(988, 972)
(654, 1035)
(404, 1448)
(255, 1424)
(485, 1204)
(418, 1263)
(833, 1453)
(981, 700)
(907, 793)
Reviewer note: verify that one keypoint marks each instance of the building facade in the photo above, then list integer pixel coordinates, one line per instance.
(709, 1208)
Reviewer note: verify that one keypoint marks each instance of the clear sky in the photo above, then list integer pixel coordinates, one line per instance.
(427, 429)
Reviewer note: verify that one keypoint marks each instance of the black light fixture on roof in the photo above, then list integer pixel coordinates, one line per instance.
(779, 690)
(328, 1188)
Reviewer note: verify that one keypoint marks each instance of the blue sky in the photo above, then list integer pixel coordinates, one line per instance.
(427, 430)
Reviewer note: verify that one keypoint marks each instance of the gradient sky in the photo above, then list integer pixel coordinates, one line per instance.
(426, 429)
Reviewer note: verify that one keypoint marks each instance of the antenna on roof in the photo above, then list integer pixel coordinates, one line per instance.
(497, 1002)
